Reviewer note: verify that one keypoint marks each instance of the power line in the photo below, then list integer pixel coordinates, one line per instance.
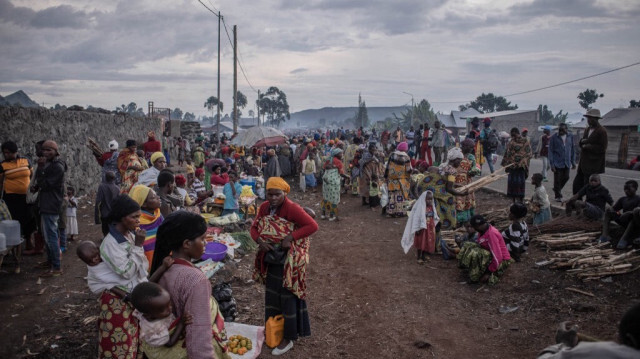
(239, 62)
(552, 86)
(203, 4)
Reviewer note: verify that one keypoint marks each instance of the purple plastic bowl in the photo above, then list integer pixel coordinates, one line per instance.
(214, 251)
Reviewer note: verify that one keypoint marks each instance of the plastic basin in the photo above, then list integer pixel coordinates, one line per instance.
(214, 251)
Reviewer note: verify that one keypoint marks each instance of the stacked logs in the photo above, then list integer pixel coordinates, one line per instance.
(566, 240)
(565, 225)
(484, 181)
(94, 147)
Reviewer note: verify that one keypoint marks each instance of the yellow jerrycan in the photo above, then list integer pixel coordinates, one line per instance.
(274, 331)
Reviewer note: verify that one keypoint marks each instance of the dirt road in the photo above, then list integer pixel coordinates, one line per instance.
(367, 299)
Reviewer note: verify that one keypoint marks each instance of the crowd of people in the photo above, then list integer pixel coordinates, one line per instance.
(151, 293)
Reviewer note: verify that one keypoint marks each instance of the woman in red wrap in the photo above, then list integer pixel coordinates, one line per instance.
(282, 229)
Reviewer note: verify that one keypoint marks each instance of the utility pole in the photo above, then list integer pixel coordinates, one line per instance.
(258, 105)
(235, 79)
(218, 119)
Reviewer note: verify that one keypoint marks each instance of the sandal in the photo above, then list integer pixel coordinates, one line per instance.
(51, 273)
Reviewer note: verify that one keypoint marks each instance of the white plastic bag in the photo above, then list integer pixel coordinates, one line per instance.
(303, 183)
(384, 195)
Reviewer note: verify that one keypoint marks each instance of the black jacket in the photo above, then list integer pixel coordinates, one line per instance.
(598, 196)
(50, 181)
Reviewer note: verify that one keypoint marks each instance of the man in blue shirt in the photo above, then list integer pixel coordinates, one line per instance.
(562, 158)
(231, 193)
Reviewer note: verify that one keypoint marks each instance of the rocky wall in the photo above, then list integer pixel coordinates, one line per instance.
(70, 129)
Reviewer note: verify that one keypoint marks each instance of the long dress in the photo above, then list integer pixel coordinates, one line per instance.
(331, 187)
(286, 288)
(465, 205)
(398, 184)
(518, 153)
(284, 159)
(445, 201)
(425, 149)
(425, 239)
(272, 169)
(369, 167)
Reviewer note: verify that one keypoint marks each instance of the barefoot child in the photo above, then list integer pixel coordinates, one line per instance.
(516, 236)
(158, 325)
(540, 205)
(72, 222)
(420, 229)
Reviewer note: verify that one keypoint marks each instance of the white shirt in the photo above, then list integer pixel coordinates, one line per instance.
(154, 333)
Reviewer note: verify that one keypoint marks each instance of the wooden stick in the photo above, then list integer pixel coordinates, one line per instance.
(580, 291)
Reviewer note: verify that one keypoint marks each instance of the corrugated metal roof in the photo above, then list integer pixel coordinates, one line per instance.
(447, 120)
(498, 114)
(621, 117)
(460, 117)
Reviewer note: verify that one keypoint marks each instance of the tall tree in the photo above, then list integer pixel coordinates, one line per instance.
(212, 102)
(188, 116)
(547, 116)
(176, 114)
(588, 97)
(487, 103)
(273, 104)
(362, 117)
(241, 101)
(131, 109)
(632, 104)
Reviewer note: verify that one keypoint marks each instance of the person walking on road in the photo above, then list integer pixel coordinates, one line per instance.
(562, 158)
(490, 141)
(437, 143)
(593, 148)
(542, 151)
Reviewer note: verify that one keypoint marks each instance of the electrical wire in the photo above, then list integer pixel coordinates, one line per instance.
(206, 7)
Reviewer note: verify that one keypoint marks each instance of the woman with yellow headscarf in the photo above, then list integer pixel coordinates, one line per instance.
(150, 216)
(282, 229)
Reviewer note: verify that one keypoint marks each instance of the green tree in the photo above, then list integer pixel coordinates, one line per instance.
(487, 103)
(176, 114)
(212, 102)
(188, 116)
(241, 101)
(634, 104)
(417, 115)
(588, 97)
(131, 109)
(547, 117)
(362, 117)
(273, 104)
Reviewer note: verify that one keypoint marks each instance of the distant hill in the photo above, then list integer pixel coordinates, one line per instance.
(3, 102)
(312, 118)
(20, 98)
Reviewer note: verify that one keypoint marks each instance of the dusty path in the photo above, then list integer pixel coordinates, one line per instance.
(367, 300)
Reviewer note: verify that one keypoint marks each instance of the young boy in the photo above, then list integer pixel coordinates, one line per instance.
(71, 220)
(596, 198)
(540, 205)
(231, 191)
(622, 210)
(516, 236)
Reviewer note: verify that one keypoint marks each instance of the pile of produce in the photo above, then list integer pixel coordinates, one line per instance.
(239, 345)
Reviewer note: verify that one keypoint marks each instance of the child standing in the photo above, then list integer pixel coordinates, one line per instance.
(72, 222)
(159, 329)
(516, 236)
(420, 230)
(309, 171)
(374, 193)
(540, 205)
(231, 191)
(107, 192)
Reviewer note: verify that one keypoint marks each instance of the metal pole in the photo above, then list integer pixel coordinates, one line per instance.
(258, 107)
(218, 119)
(235, 79)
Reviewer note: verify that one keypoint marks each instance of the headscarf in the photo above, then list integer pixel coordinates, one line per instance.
(278, 183)
(335, 152)
(156, 156)
(131, 143)
(403, 146)
(51, 145)
(139, 193)
(190, 170)
(271, 152)
(487, 120)
(454, 154)
(180, 180)
(199, 171)
(113, 145)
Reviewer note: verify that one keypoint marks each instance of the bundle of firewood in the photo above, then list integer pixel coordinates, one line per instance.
(593, 262)
(484, 181)
(564, 224)
(94, 147)
(565, 240)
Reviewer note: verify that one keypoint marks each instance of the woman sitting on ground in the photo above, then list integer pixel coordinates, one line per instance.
(486, 260)
(181, 235)
(282, 229)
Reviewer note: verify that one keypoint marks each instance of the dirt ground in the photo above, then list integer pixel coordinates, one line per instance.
(367, 299)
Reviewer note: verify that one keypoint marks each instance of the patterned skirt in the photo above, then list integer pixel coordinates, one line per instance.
(279, 300)
(118, 329)
(475, 260)
(516, 183)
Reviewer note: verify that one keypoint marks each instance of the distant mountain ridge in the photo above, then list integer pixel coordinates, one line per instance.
(18, 98)
(312, 117)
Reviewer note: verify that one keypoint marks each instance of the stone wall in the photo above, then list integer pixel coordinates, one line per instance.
(70, 129)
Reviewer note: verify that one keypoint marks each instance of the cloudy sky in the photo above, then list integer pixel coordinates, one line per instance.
(320, 52)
